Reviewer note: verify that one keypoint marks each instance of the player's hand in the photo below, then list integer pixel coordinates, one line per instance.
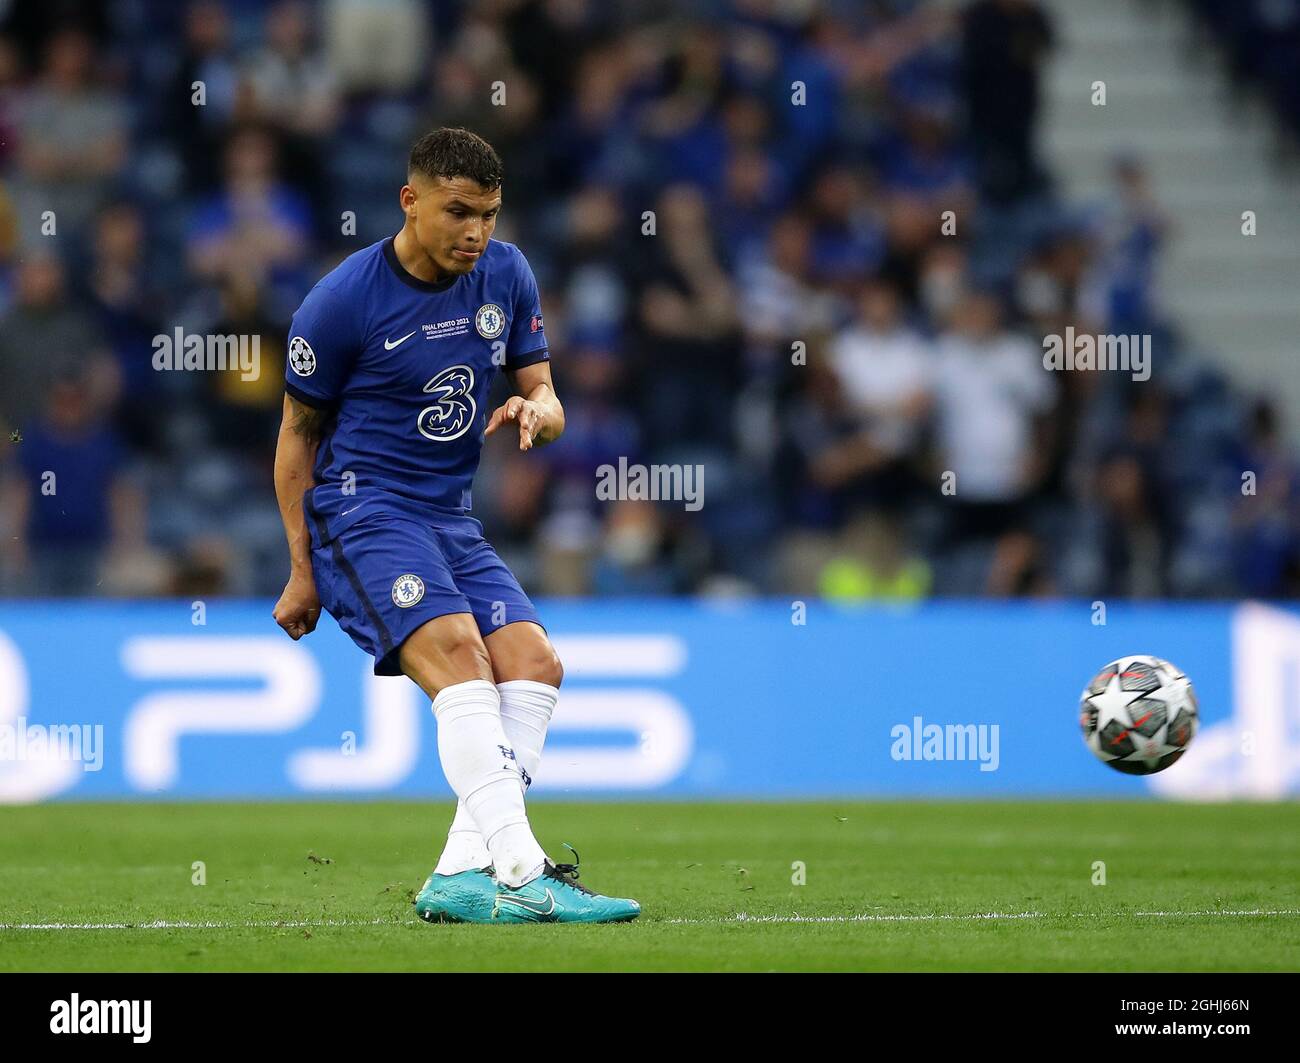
(525, 411)
(299, 606)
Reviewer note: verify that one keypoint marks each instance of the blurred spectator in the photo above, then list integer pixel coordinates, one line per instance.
(595, 291)
(1004, 45)
(1134, 227)
(780, 302)
(1134, 534)
(205, 63)
(848, 242)
(10, 75)
(992, 393)
(203, 571)
(750, 191)
(295, 91)
(294, 86)
(924, 163)
(872, 564)
(255, 224)
(886, 370)
(637, 556)
(245, 413)
(128, 308)
(827, 451)
(687, 327)
(1262, 41)
(45, 335)
(376, 45)
(72, 134)
(684, 127)
(68, 495)
(1266, 516)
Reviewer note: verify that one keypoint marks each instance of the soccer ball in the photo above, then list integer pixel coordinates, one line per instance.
(1138, 714)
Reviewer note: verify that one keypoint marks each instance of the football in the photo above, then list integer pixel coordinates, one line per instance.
(1138, 714)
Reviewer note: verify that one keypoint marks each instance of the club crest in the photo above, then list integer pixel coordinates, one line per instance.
(490, 321)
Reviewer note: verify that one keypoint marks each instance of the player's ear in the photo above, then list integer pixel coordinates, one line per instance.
(407, 197)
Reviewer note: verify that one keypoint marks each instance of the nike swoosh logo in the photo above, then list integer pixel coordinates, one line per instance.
(531, 906)
(390, 344)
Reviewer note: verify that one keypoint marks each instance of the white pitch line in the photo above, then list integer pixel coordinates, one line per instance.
(933, 917)
(743, 917)
(1248, 911)
(164, 924)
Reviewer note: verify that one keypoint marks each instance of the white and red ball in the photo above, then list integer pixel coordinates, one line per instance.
(1138, 714)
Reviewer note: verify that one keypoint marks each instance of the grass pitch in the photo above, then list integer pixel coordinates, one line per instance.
(928, 886)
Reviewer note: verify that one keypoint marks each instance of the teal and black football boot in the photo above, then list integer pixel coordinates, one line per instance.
(556, 896)
(466, 897)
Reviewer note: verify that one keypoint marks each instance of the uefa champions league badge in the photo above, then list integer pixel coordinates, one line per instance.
(302, 359)
(490, 321)
(407, 590)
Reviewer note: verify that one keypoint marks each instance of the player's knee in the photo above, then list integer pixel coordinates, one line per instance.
(540, 663)
(522, 651)
(549, 669)
(465, 652)
(443, 652)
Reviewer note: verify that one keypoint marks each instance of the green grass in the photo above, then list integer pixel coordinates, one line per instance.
(694, 867)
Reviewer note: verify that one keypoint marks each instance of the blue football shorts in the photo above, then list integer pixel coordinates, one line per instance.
(385, 575)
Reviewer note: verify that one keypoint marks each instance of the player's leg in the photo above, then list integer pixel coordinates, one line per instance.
(387, 583)
(447, 659)
(527, 672)
(485, 774)
(462, 888)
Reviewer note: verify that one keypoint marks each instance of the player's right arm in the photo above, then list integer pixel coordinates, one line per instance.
(301, 428)
(323, 348)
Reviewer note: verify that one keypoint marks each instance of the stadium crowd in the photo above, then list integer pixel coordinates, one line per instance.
(858, 371)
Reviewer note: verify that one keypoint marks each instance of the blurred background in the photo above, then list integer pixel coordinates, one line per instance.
(778, 224)
(867, 217)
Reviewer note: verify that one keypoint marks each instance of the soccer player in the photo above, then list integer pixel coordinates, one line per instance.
(391, 360)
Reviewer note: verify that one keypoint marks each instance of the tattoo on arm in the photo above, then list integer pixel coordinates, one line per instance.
(307, 421)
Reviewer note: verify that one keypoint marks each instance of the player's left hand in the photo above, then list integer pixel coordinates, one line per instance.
(516, 408)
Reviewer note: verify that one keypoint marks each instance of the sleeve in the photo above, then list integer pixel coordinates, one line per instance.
(1033, 383)
(526, 343)
(324, 342)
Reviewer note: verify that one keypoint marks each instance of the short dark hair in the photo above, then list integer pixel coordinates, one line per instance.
(451, 152)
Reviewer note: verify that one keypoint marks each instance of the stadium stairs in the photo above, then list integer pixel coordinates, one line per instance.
(1211, 152)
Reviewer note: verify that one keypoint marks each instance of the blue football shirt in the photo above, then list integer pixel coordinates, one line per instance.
(407, 366)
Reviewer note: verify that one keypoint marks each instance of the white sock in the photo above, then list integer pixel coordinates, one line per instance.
(526, 709)
(464, 850)
(483, 770)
